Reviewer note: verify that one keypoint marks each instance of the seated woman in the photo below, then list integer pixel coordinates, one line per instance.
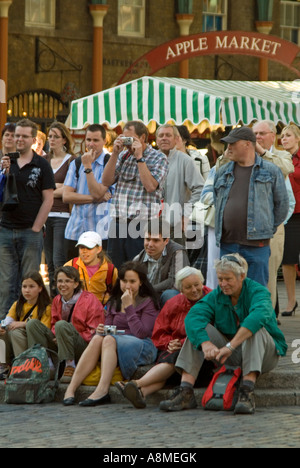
(97, 273)
(34, 303)
(133, 308)
(168, 336)
(75, 317)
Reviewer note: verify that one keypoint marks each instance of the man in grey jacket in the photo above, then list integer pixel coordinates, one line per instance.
(163, 258)
(183, 186)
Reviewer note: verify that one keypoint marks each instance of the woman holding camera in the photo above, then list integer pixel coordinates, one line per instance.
(132, 308)
(75, 315)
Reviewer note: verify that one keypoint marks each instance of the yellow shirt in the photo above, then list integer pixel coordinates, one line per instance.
(46, 318)
(97, 283)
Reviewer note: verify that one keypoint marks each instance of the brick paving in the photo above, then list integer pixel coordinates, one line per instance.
(121, 426)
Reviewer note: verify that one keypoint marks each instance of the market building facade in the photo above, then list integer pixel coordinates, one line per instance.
(54, 51)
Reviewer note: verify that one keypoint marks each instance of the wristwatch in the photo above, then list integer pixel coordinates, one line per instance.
(88, 171)
(230, 347)
(142, 160)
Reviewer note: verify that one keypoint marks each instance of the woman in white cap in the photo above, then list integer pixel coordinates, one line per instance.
(97, 273)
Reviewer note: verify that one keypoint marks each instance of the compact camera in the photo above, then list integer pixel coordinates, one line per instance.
(3, 324)
(110, 330)
(127, 141)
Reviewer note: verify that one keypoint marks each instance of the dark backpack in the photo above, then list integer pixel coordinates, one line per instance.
(29, 379)
(222, 392)
(78, 163)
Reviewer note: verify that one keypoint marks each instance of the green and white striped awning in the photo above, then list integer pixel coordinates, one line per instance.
(179, 100)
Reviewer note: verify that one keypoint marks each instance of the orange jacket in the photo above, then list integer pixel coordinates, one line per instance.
(97, 283)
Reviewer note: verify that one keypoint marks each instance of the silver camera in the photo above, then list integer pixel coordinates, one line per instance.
(110, 330)
(127, 141)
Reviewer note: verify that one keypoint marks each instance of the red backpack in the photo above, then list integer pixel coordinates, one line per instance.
(222, 392)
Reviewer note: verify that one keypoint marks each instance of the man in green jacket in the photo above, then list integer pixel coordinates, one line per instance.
(236, 324)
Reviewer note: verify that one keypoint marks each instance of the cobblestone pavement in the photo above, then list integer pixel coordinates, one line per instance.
(121, 426)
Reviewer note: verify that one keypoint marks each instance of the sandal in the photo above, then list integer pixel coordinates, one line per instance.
(120, 386)
(133, 393)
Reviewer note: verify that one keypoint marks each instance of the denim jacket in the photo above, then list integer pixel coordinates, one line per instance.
(268, 201)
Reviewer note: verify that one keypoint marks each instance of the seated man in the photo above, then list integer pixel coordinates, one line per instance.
(163, 257)
(236, 324)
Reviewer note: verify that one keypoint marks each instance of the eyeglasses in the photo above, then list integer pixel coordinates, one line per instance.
(67, 281)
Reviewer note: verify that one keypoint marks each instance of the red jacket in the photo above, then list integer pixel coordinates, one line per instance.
(169, 324)
(295, 181)
(88, 313)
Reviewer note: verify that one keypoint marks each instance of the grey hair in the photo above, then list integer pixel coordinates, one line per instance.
(271, 125)
(184, 273)
(238, 267)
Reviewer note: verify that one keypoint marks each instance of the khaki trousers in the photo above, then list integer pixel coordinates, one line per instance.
(69, 343)
(257, 354)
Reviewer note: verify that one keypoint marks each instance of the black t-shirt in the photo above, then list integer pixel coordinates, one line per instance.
(31, 180)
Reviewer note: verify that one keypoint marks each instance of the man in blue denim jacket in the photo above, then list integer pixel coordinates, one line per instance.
(251, 201)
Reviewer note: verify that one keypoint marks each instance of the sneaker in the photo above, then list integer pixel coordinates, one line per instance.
(67, 375)
(246, 402)
(182, 398)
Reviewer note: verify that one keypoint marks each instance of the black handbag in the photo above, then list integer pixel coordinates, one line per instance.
(10, 195)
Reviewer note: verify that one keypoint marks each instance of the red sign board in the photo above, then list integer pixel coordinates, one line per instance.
(216, 43)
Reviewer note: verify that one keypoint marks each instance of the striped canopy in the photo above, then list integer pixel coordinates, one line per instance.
(179, 100)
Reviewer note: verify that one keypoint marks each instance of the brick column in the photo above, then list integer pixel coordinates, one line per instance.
(98, 13)
(4, 7)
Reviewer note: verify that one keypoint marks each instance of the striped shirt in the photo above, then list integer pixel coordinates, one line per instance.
(91, 216)
(131, 198)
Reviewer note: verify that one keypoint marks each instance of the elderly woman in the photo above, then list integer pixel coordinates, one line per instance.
(236, 324)
(168, 336)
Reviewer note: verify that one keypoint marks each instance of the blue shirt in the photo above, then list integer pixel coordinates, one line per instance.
(91, 216)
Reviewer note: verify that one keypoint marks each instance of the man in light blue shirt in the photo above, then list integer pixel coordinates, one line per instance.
(83, 189)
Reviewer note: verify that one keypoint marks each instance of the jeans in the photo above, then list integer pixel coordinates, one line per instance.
(55, 246)
(125, 241)
(20, 253)
(257, 259)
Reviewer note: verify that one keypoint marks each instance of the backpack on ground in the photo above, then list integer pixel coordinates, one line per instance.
(29, 379)
(222, 392)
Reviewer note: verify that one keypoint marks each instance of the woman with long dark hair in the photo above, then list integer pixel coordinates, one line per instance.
(61, 153)
(132, 310)
(75, 315)
(34, 303)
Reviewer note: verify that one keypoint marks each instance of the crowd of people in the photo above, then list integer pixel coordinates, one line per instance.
(123, 234)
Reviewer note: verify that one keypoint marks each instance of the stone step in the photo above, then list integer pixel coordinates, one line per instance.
(264, 396)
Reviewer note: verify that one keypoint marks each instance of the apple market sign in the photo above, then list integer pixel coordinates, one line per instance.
(216, 43)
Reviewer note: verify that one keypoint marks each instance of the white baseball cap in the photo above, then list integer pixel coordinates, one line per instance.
(89, 239)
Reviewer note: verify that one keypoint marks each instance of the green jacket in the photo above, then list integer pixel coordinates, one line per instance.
(253, 311)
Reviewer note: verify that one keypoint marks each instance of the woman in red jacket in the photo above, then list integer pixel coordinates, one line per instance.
(291, 142)
(75, 315)
(168, 336)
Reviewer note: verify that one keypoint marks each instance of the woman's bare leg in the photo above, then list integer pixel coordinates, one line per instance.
(86, 365)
